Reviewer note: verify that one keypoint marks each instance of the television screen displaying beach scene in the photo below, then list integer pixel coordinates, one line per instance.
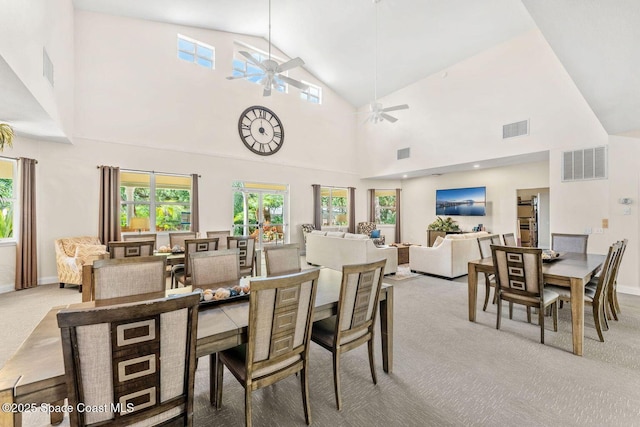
(461, 201)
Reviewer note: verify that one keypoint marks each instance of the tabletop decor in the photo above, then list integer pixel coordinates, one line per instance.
(446, 224)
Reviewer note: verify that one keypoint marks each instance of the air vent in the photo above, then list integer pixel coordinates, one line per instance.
(404, 153)
(515, 129)
(580, 165)
(47, 66)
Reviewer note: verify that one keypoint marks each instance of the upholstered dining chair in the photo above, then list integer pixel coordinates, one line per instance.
(510, 239)
(484, 244)
(595, 293)
(178, 238)
(141, 236)
(612, 291)
(120, 277)
(136, 360)
(222, 237)
(282, 259)
(353, 324)
(561, 242)
(211, 267)
(247, 247)
(519, 280)
(131, 248)
(279, 329)
(181, 273)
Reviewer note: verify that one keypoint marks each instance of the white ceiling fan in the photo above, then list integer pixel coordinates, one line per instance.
(378, 113)
(271, 69)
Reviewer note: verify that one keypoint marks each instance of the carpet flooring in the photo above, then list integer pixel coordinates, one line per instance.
(447, 371)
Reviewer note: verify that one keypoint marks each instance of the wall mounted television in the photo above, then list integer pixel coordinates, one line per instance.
(462, 201)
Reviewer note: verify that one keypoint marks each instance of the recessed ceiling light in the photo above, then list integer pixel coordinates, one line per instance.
(476, 166)
(405, 175)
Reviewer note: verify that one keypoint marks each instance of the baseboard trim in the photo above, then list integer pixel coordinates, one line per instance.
(628, 290)
(6, 288)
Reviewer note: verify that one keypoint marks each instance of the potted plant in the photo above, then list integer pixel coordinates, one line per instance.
(446, 224)
(6, 136)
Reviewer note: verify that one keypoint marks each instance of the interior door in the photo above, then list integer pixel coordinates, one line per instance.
(260, 214)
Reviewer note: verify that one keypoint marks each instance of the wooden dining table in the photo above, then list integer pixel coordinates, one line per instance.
(35, 373)
(571, 270)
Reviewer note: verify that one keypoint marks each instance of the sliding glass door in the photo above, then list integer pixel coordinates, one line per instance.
(259, 210)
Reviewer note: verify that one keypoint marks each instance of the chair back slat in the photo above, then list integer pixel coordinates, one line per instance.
(282, 259)
(211, 267)
(607, 272)
(509, 239)
(518, 270)
(131, 248)
(136, 360)
(359, 293)
(120, 277)
(561, 242)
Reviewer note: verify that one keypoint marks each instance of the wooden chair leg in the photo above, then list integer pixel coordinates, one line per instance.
(219, 369)
(554, 312)
(371, 361)
(487, 291)
(336, 379)
(541, 323)
(615, 298)
(247, 406)
(597, 320)
(499, 313)
(528, 314)
(304, 384)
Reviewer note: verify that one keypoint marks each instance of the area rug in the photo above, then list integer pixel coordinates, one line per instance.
(403, 273)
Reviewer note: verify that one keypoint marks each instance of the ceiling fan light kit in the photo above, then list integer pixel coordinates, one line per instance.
(272, 70)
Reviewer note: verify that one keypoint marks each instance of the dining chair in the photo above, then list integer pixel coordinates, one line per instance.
(136, 360)
(352, 326)
(510, 239)
(279, 329)
(484, 245)
(222, 237)
(211, 267)
(181, 273)
(247, 247)
(120, 277)
(131, 248)
(612, 291)
(519, 280)
(178, 238)
(561, 242)
(141, 236)
(282, 259)
(595, 293)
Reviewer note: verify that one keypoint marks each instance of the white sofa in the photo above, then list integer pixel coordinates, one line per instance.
(334, 249)
(450, 258)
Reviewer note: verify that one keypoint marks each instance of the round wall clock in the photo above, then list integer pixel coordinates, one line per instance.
(261, 130)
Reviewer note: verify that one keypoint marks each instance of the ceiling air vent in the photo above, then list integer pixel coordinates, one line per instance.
(515, 129)
(404, 153)
(580, 165)
(47, 66)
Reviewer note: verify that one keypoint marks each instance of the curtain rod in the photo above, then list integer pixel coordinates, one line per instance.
(14, 158)
(164, 173)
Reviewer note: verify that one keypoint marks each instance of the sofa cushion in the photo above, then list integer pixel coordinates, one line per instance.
(356, 236)
(438, 241)
(319, 232)
(335, 233)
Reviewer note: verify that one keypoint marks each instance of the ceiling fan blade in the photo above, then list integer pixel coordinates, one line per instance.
(292, 63)
(388, 117)
(244, 76)
(396, 108)
(251, 59)
(293, 82)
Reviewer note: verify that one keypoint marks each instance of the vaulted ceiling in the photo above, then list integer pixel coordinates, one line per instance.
(595, 40)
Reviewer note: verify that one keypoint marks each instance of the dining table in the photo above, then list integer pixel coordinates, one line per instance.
(569, 269)
(34, 377)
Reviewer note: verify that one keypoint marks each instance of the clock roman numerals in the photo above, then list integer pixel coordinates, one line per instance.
(261, 130)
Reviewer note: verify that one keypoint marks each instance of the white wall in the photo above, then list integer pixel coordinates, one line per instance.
(419, 196)
(28, 27)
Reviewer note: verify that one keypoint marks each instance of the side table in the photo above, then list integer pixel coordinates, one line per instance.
(403, 252)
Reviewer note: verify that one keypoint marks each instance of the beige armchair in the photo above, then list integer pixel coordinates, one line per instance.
(74, 252)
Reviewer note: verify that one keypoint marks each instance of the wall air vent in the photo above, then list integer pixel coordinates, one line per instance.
(404, 153)
(515, 129)
(581, 165)
(47, 66)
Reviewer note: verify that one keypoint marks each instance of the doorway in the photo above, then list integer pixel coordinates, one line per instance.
(260, 211)
(533, 217)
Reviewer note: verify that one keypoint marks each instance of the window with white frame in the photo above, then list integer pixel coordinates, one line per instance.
(385, 203)
(244, 68)
(8, 169)
(154, 201)
(335, 206)
(312, 94)
(197, 52)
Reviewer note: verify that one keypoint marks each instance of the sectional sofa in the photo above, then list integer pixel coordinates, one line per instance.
(334, 249)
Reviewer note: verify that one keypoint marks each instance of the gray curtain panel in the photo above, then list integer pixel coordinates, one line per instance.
(195, 204)
(26, 253)
(398, 217)
(109, 214)
(352, 210)
(372, 205)
(317, 207)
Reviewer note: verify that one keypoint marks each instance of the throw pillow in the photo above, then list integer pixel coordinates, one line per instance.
(375, 234)
(438, 241)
